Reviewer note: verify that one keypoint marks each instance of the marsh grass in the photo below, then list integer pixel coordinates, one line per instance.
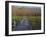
(35, 20)
(16, 18)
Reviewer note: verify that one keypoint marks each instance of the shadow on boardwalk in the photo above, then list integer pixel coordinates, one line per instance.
(23, 25)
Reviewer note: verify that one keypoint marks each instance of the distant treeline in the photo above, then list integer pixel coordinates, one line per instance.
(23, 11)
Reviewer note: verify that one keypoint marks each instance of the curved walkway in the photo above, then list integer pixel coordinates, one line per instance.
(24, 25)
